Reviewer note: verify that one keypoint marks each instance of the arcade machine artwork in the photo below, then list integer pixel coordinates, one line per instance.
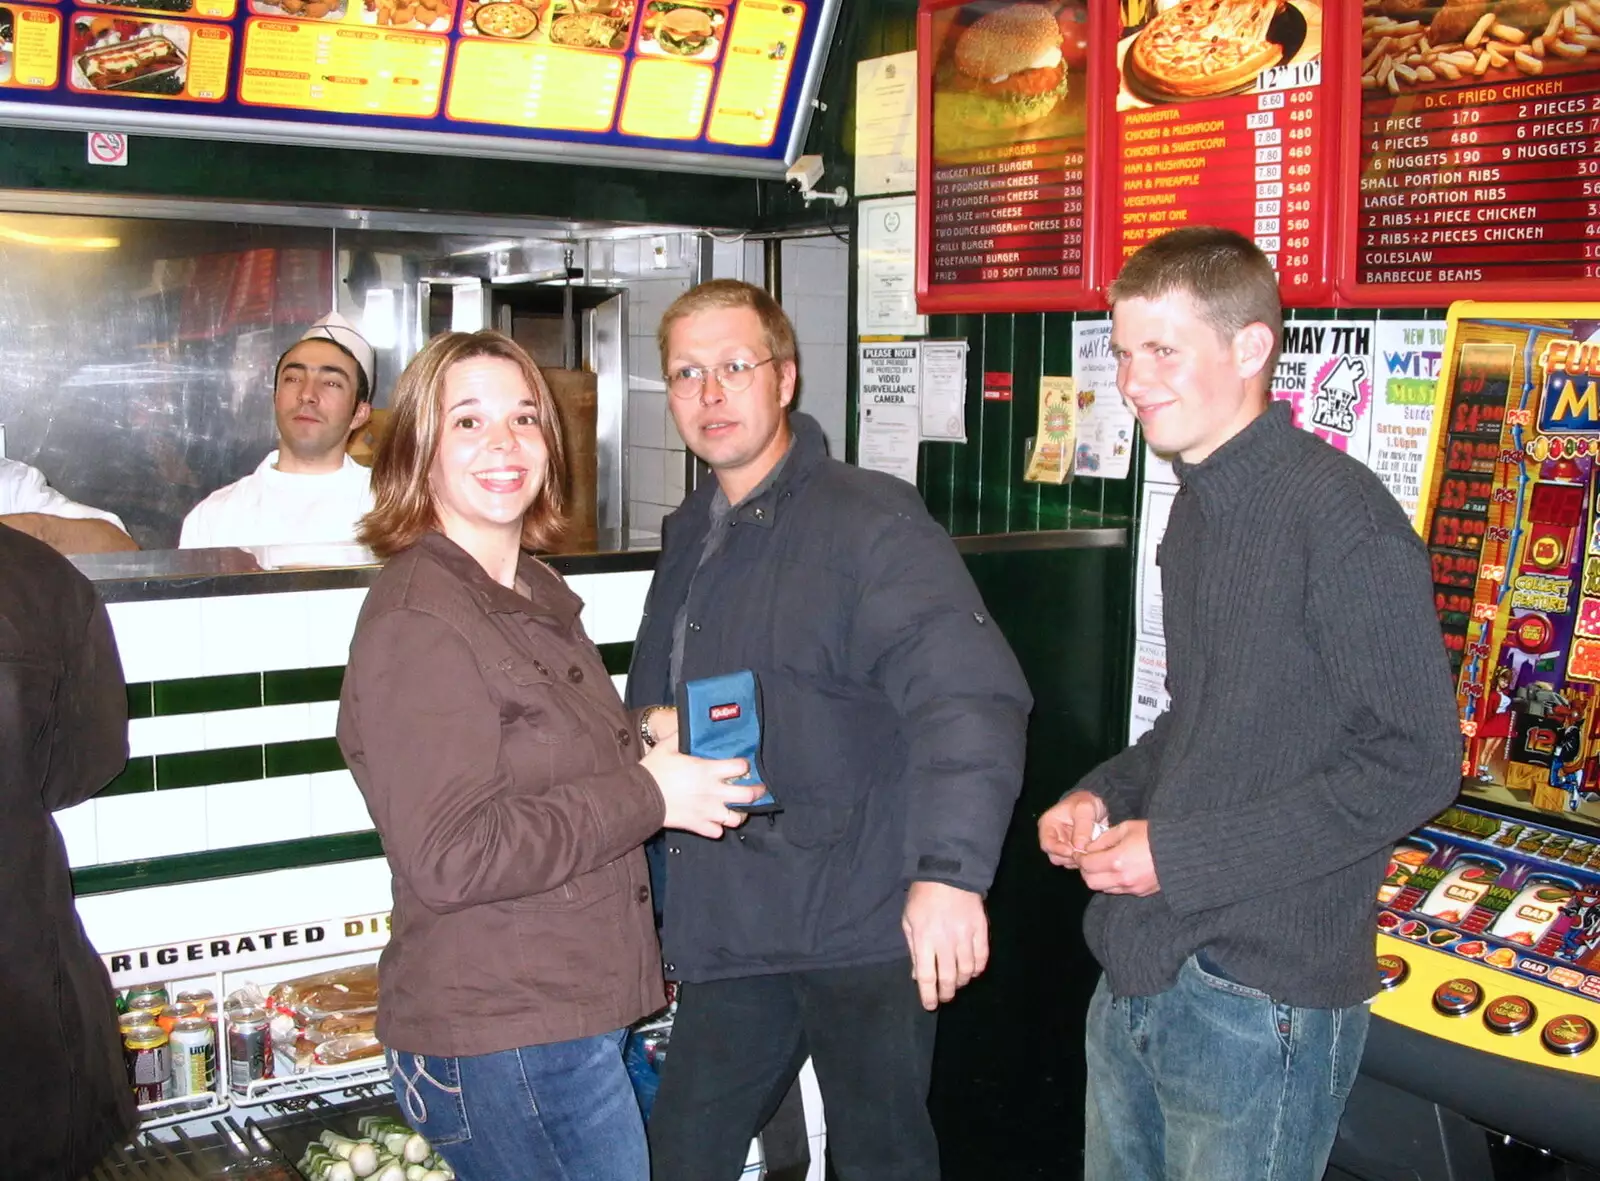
(1515, 544)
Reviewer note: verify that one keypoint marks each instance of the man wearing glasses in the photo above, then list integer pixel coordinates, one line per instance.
(894, 716)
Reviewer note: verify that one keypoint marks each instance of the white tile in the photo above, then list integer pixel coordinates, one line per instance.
(644, 358)
(644, 524)
(645, 479)
(612, 603)
(673, 477)
(238, 634)
(647, 414)
(324, 719)
(252, 727)
(336, 804)
(158, 641)
(824, 267)
(601, 261)
(727, 260)
(330, 621)
(624, 256)
(78, 833)
(671, 437)
(822, 320)
(258, 811)
(166, 736)
(150, 824)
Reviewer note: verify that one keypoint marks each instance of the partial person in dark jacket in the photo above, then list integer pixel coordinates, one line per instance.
(1312, 725)
(506, 781)
(63, 735)
(894, 717)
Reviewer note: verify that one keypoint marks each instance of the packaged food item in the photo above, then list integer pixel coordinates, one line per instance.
(348, 1048)
(345, 990)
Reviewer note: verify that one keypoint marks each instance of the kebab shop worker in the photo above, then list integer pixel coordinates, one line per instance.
(1247, 833)
(63, 736)
(309, 489)
(894, 716)
(507, 783)
(29, 505)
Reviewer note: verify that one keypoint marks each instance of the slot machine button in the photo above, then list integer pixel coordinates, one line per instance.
(1392, 971)
(1567, 1035)
(1509, 1014)
(1458, 997)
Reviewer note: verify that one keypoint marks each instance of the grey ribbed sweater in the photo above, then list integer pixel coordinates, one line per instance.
(1312, 724)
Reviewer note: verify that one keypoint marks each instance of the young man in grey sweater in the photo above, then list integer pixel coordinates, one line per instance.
(1312, 724)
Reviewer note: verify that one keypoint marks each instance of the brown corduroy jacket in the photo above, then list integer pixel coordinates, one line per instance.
(503, 775)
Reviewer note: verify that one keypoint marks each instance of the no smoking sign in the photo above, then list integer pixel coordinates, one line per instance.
(108, 147)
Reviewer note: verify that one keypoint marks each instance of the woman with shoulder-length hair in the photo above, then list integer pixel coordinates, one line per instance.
(508, 786)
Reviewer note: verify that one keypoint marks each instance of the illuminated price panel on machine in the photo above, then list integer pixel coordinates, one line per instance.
(1475, 153)
(719, 83)
(1222, 118)
(1007, 155)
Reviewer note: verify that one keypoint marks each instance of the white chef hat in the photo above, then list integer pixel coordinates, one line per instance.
(341, 332)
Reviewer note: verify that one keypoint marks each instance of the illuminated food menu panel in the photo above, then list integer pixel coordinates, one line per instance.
(1008, 127)
(1222, 119)
(707, 77)
(1479, 152)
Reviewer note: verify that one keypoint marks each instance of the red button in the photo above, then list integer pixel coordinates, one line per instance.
(1392, 971)
(1509, 1014)
(1458, 997)
(1567, 1035)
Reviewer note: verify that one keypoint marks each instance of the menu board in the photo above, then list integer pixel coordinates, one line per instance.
(1008, 130)
(719, 83)
(1476, 153)
(1223, 116)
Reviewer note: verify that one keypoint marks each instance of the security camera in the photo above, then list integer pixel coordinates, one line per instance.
(805, 173)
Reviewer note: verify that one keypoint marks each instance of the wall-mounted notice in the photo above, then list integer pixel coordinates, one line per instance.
(1008, 133)
(721, 83)
(944, 391)
(890, 412)
(886, 268)
(1325, 374)
(1407, 359)
(1105, 424)
(1056, 434)
(886, 124)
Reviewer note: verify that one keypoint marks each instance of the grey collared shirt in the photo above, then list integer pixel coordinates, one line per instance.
(721, 511)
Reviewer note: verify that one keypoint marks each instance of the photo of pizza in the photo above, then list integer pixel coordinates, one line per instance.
(1203, 48)
(509, 22)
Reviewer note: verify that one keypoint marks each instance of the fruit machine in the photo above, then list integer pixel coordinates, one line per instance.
(1482, 1059)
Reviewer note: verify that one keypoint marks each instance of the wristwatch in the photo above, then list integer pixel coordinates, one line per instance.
(645, 736)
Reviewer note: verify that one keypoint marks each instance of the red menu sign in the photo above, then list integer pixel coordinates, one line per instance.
(1222, 118)
(1474, 150)
(1009, 120)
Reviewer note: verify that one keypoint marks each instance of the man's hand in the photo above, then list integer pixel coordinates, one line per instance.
(1066, 830)
(948, 934)
(1119, 861)
(70, 535)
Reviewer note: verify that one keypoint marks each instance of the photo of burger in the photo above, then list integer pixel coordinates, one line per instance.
(691, 31)
(1008, 71)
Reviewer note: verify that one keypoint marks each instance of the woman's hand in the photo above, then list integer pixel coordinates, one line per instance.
(697, 792)
(663, 723)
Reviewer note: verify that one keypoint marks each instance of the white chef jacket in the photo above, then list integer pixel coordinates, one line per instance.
(271, 507)
(23, 490)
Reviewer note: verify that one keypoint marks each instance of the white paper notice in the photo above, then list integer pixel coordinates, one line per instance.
(886, 124)
(1105, 425)
(890, 408)
(886, 268)
(1408, 354)
(1153, 514)
(1158, 469)
(1150, 698)
(1325, 374)
(944, 391)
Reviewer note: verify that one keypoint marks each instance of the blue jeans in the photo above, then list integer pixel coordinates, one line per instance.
(1214, 1081)
(560, 1112)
